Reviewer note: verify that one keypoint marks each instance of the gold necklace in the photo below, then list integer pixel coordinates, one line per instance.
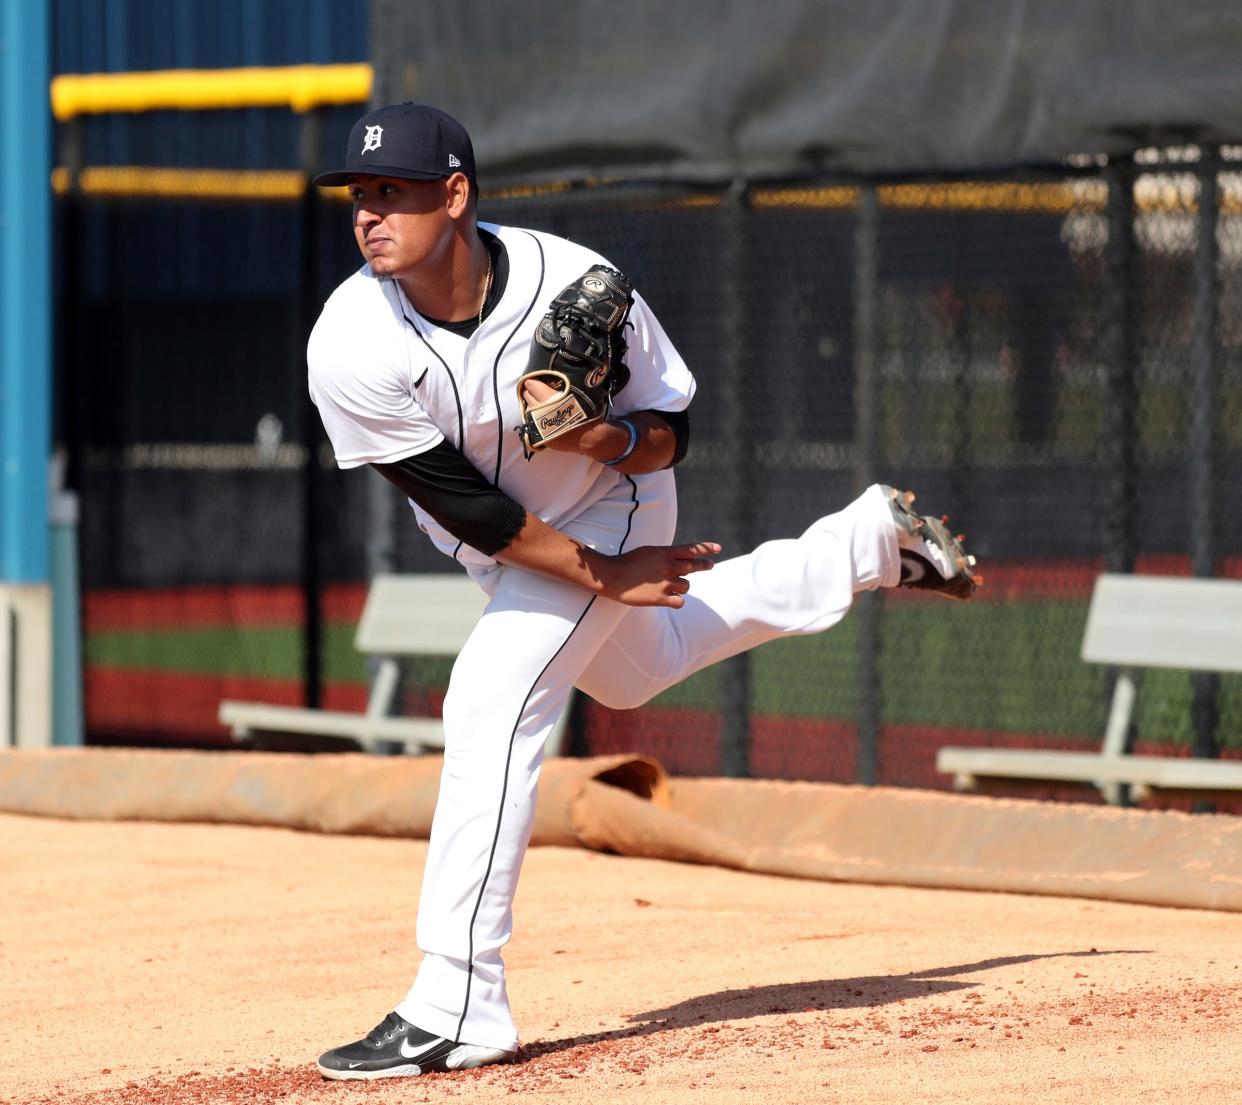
(487, 287)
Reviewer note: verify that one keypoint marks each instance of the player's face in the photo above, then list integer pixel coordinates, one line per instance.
(400, 224)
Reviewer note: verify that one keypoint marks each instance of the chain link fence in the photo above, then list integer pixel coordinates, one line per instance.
(1054, 360)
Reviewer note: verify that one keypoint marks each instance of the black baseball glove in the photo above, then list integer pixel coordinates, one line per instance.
(578, 349)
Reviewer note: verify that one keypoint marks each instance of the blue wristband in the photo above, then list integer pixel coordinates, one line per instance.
(625, 453)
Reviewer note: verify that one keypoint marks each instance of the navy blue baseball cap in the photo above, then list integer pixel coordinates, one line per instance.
(407, 141)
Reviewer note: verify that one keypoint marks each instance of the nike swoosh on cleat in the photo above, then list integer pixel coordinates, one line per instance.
(409, 1052)
(912, 570)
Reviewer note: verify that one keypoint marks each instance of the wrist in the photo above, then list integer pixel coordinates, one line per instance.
(599, 569)
(627, 449)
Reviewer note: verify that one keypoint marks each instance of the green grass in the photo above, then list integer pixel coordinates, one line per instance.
(252, 652)
(270, 653)
(1002, 667)
(273, 652)
(1012, 667)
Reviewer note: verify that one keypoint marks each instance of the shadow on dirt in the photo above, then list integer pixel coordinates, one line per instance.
(865, 992)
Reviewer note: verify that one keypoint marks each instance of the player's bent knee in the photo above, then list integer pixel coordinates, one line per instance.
(617, 699)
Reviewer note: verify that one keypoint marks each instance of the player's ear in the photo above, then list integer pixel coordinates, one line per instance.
(458, 195)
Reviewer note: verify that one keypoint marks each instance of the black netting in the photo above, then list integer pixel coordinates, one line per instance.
(1054, 361)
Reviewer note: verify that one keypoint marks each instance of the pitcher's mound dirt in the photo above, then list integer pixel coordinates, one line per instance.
(174, 963)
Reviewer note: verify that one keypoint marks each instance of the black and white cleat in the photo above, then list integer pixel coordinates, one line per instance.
(932, 558)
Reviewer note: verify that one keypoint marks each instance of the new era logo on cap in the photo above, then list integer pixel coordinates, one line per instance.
(407, 141)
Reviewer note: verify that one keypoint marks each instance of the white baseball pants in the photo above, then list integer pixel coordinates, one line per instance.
(540, 637)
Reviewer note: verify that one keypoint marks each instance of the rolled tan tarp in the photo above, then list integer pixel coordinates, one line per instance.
(348, 793)
(627, 805)
(925, 838)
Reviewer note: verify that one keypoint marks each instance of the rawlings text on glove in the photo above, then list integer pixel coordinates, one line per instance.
(577, 349)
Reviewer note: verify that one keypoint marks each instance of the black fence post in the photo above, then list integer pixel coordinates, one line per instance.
(960, 448)
(70, 393)
(305, 313)
(737, 472)
(1122, 356)
(1203, 435)
(1121, 353)
(73, 398)
(867, 608)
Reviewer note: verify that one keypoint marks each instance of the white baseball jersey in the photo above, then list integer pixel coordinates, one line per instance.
(390, 384)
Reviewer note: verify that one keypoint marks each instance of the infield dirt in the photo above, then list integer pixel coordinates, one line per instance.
(174, 963)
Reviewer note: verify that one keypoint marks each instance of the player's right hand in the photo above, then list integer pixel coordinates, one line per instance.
(655, 575)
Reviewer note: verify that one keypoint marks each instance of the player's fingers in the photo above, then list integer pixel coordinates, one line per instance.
(695, 558)
(684, 567)
(671, 591)
(698, 548)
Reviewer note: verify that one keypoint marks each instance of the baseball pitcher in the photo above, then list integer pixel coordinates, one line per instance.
(523, 396)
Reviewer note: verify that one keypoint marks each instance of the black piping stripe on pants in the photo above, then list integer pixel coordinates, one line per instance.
(504, 787)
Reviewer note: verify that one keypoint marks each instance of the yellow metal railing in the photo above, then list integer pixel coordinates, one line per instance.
(1085, 197)
(300, 88)
(208, 184)
(303, 88)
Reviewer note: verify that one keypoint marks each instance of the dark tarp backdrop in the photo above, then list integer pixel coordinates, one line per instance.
(791, 88)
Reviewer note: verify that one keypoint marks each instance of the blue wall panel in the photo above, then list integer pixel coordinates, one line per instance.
(115, 36)
(25, 291)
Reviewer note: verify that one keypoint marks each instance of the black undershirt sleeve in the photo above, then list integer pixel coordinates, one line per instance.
(679, 423)
(449, 488)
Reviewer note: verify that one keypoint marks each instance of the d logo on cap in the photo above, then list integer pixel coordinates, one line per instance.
(420, 142)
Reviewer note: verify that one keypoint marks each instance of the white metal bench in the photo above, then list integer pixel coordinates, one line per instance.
(1134, 622)
(405, 615)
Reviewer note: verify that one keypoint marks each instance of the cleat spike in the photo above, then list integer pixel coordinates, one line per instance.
(970, 561)
(945, 519)
(961, 537)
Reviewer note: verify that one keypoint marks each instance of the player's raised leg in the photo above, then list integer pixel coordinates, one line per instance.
(787, 587)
